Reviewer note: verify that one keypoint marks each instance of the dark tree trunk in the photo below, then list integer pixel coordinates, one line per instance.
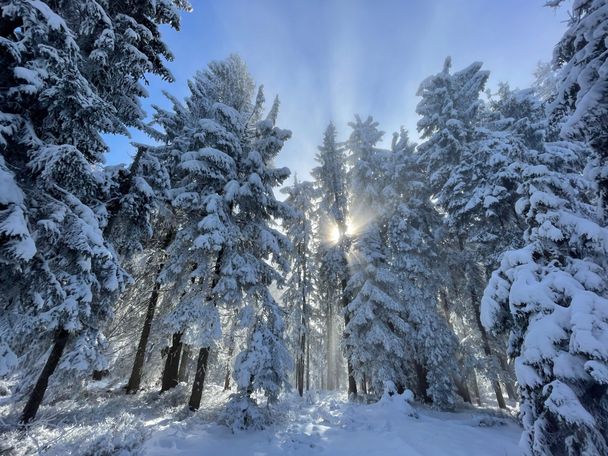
(307, 364)
(37, 394)
(331, 365)
(227, 379)
(488, 352)
(199, 379)
(183, 365)
(509, 386)
(100, 374)
(203, 354)
(140, 355)
(476, 388)
(463, 390)
(228, 372)
(422, 384)
(170, 377)
(461, 386)
(364, 385)
(352, 384)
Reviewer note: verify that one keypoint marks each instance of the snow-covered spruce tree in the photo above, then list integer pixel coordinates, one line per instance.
(133, 195)
(54, 105)
(375, 333)
(330, 179)
(550, 296)
(450, 110)
(429, 366)
(264, 364)
(580, 107)
(204, 151)
(299, 287)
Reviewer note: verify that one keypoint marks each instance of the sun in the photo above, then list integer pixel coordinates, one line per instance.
(334, 234)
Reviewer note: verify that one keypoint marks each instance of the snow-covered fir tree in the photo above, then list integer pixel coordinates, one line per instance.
(330, 179)
(580, 106)
(257, 260)
(453, 149)
(375, 333)
(55, 101)
(299, 287)
(429, 363)
(550, 296)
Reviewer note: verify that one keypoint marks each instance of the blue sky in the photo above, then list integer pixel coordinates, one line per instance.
(330, 59)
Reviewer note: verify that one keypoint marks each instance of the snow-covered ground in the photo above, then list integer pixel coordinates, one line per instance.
(108, 422)
(328, 424)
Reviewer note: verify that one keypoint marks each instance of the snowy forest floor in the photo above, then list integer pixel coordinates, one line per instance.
(107, 422)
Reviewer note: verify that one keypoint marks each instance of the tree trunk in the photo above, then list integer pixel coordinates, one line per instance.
(487, 350)
(100, 374)
(509, 386)
(183, 365)
(199, 379)
(308, 364)
(363, 385)
(461, 386)
(170, 373)
(227, 379)
(476, 388)
(422, 384)
(140, 355)
(330, 345)
(37, 394)
(352, 384)
(203, 354)
(463, 390)
(230, 353)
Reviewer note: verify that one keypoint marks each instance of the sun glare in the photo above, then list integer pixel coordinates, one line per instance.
(334, 234)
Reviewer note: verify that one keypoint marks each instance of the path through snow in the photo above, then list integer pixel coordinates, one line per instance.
(329, 425)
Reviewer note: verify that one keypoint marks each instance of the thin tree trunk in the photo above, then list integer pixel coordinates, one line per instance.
(303, 325)
(352, 384)
(227, 377)
(140, 355)
(138, 364)
(476, 388)
(488, 352)
(170, 373)
(199, 379)
(308, 364)
(461, 386)
(364, 385)
(183, 365)
(463, 390)
(37, 394)
(330, 344)
(509, 386)
(422, 384)
(203, 354)
(227, 380)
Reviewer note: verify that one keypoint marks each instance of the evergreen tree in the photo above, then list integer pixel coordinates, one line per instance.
(299, 288)
(580, 107)
(265, 362)
(330, 178)
(54, 103)
(204, 141)
(550, 296)
(415, 256)
(454, 148)
(375, 331)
